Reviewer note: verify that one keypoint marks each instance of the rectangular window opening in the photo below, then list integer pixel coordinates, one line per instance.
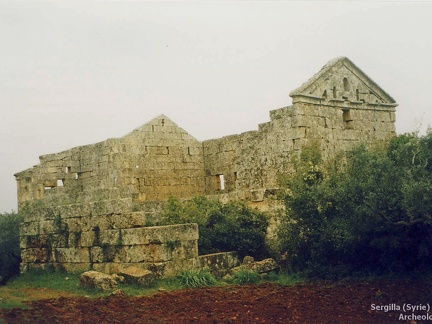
(221, 182)
(68, 169)
(60, 182)
(77, 175)
(346, 116)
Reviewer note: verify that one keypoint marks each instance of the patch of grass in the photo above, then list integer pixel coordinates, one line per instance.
(34, 285)
(50, 280)
(166, 284)
(7, 303)
(196, 279)
(246, 277)
(285, 279)
(58, 281)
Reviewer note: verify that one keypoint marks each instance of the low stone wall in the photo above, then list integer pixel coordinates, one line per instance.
(97, 243)
(55, 243)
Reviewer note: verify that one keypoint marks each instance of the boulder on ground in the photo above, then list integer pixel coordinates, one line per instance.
(248, 260)
(138, 276)
(97, 280)
(118, 278)
(264, 266)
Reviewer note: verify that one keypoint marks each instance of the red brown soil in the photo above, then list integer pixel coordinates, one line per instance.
(341, 302)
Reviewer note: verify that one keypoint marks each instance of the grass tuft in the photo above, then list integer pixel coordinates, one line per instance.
(196, 279)
(246, 277)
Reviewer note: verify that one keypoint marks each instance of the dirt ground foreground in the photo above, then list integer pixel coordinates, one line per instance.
(387, 301)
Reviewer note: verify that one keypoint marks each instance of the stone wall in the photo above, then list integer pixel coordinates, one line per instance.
(152, 163)
(110, 243)
(250, 162)
(84, 207)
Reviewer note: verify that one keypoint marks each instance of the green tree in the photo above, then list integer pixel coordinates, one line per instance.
(10, 256)
(366, 210)
(229, 227)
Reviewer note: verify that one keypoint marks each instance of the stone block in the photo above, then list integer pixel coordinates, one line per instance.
(58, 240)
(136, 253)
(74, 239)
(138, 276)
(112, 237)
(155, 234)
(34, 241)
(218, 261)
(73, 255)
(109, 267)
(40, 227)
(97, 280)
(76, 224)
(106, 207)
(264, 266)
(96, 254)
(35, 255)
(130, 220)
(88, 238)
(74, 267)
(159, 253)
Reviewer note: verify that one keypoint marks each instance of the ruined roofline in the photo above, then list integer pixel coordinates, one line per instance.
(160, 120)
(335, 64)
(301, 94)
(142, 128)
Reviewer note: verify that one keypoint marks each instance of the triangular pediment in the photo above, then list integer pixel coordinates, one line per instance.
(340, 80)
(161, 120)
(161, 127)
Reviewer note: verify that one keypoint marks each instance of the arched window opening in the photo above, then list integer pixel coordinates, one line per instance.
(346, 88)
(346, 84)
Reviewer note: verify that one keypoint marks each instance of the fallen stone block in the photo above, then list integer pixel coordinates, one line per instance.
(264, 266)
(97, 280)
(137, 276)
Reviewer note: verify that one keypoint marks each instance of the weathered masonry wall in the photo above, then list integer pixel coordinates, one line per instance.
(110, 243)
(83, 205)
(250, 162)
(150, 164)
(337, 108)
(92, 243)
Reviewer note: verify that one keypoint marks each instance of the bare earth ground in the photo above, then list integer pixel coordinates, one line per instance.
(342, 302)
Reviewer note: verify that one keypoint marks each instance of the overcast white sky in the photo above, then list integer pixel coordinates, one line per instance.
(76, 73)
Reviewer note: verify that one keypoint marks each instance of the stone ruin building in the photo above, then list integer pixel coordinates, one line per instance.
(95, 206)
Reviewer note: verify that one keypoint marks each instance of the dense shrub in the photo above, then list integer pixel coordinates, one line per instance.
(369, 210)
(9, 245)
(230, 227)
